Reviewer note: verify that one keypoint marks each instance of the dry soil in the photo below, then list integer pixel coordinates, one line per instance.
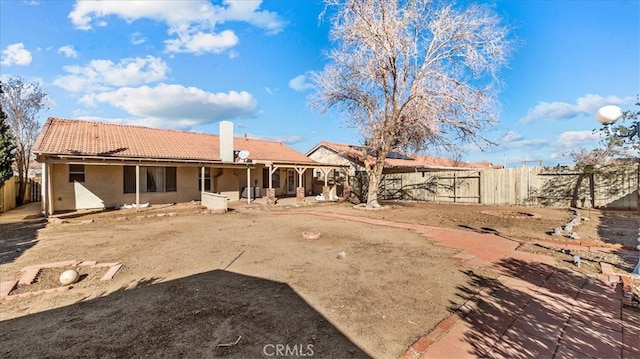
(246, 284)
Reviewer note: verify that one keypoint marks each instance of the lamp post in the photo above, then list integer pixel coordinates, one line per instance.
(608, 115)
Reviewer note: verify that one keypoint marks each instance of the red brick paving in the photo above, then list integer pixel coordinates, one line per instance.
(29, 275)
(539, 310)
(6, 287)
(111, 272)
(32, 271)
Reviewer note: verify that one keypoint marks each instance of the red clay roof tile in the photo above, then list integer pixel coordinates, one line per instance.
(415, 161)
(75, 137)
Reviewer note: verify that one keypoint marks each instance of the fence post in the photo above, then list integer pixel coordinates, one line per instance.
(454, 187)
(479, 187)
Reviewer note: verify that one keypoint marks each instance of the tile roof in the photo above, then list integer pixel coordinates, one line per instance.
(75, 137)
(405, 160)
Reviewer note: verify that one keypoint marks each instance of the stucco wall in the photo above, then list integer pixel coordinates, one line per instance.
(187, 189)
(103, 188)
(228, 184)
(323, 155)
(214, 202)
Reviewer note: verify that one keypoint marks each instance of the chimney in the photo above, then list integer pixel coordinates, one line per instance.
(226, 141)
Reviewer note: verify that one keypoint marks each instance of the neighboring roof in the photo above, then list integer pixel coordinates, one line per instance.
(85, 138)
(400, 160)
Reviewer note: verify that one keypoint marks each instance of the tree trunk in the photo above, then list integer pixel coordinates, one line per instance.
(372, 192)
(375, 176)
(23, 173)
(576, 190)
(638, 188)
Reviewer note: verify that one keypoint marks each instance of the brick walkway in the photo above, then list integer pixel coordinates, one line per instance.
(534, 309)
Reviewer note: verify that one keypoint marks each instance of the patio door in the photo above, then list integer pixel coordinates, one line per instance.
(291, 181)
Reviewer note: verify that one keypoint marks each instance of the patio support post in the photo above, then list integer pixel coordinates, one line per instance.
(137, 188)
(50, 189)
(300, 189)
(346, 192)
(47, 203)
(325, 188)
(202, 179)
(45, 200)
(249, 189)
(271, 192)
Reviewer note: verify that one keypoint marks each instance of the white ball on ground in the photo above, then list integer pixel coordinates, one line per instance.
(69, 277)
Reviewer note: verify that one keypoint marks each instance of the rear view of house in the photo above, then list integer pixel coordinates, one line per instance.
(88, 165)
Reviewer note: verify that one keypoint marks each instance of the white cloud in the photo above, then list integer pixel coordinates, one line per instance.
(15, 54)
(233, 54)
(193, 22)
(300, 83)
(577, 139)
(102, 75)
(513, 140)
(68, 51)
(176, 106)
(586, 105)
(249, 11)
(200, 42)
(137, 38)
(289, 140)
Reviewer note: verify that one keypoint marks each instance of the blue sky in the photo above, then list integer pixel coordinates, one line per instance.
(189, 64)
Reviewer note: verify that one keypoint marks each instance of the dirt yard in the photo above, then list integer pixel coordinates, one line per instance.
(246, 284)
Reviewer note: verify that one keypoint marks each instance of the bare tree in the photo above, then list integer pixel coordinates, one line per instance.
(412, 74)
(7, 148)
(22, 102)
(592, 159)
(626, 137)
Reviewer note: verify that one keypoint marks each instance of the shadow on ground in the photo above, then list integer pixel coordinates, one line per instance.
(620, 227)
(537, 310)
(16, 238)
(212, 314)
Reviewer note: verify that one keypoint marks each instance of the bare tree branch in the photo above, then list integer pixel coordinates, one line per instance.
(21, 103)
(412, 74)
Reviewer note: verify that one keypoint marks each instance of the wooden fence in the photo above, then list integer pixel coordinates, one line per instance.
(611, 187)
(9, 193)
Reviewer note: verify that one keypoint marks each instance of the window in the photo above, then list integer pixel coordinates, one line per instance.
(152, 179)
(275, 177)
(76, 173)
(207, 179)
(129, 179)
(170, 179)
(155, 179)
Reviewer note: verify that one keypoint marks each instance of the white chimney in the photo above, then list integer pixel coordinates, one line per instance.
(226, 141)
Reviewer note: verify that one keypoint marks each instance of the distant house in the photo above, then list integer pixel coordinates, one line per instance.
(396, 162)
(351, 158)
(87, 165)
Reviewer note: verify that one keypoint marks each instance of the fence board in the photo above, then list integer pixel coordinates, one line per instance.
(612, 187)
(8, 193)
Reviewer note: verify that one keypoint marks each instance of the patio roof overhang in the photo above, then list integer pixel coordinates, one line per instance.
(60, 158)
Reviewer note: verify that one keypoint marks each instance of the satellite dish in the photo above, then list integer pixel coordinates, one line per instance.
(243, 155)
(608, 114)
